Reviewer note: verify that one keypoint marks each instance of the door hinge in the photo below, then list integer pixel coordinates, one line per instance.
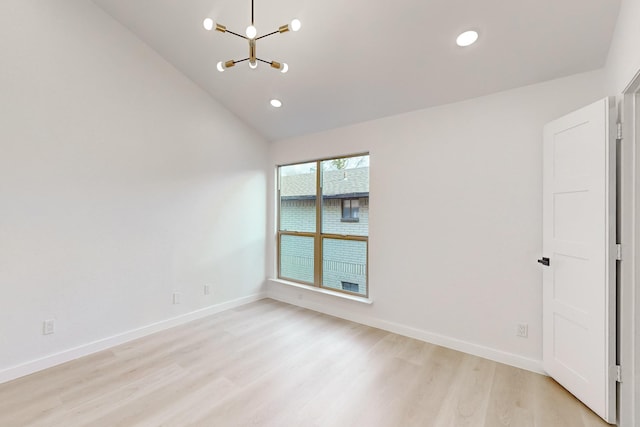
(619, 131)
(618, 374)
(618, 252)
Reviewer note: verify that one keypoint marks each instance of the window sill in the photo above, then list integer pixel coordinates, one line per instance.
(355, 298)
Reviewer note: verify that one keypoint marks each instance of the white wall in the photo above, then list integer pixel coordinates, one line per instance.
(455, 223)
(623, 62)
(120, 183)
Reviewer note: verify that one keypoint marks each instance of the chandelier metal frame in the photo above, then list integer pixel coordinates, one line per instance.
(252, 38)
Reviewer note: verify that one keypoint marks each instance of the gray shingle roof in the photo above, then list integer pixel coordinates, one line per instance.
(336, 183)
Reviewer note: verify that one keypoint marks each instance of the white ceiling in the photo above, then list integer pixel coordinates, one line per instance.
(356, 60)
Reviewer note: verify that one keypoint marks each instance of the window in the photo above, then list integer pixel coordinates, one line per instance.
(323, 227)
(350, 208)
(352, 287)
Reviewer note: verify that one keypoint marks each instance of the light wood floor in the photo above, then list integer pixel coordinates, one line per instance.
(273, 364)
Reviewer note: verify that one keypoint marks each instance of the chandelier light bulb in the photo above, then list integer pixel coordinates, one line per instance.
(253, 65)
(295, 25)
(285, 68)
(467, 38)
(220, 66)
(208, 24)
(251, 32)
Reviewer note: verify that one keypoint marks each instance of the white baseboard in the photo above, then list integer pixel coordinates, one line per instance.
(105, 343)
(422, 335)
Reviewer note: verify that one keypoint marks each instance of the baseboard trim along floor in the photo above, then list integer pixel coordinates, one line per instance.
(106, 343)
(273, 364)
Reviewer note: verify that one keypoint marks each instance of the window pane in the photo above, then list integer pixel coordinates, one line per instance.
(344, 265)
(296, 258)
(298, 197)
(345, 208)
(345, 178)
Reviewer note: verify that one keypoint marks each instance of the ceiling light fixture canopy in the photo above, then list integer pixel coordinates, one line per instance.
(251, 36)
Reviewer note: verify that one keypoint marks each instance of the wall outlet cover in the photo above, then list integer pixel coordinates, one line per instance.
(48, 327)
(523, 330)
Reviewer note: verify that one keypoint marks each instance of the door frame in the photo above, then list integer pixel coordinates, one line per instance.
(629, 234)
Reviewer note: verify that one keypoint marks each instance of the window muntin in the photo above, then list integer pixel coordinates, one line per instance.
(325, 245)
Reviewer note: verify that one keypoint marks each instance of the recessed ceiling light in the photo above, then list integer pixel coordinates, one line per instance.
(467, 38)
(276, 103)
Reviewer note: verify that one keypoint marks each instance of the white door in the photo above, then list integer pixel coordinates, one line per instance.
(579, 304)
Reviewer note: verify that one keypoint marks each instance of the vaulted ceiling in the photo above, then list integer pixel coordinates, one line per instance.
(358, 60)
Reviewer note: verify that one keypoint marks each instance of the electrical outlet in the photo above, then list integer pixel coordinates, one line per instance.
(177, 297)
(48, 327)
(523, 330)
(207, 289)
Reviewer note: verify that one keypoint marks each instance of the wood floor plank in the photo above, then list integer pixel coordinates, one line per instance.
(428, 391)
(273, 364)
(468, 397)
(511, 399)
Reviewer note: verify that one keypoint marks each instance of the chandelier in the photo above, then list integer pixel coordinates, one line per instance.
(251, 35)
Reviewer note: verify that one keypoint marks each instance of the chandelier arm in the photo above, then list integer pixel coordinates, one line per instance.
(262, 60)
(251, 12)
(236, 34)
(242, 60)
(267, 35)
